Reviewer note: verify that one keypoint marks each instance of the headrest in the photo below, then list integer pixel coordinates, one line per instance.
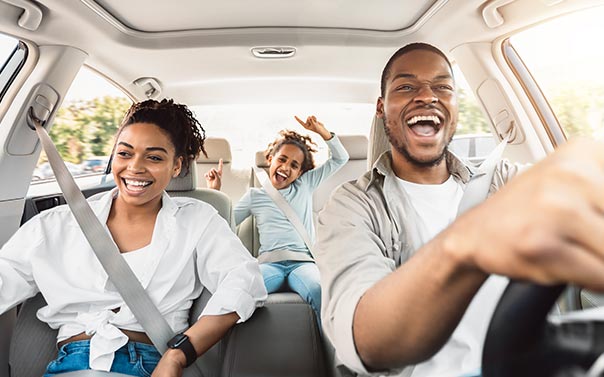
(355, 145)
(216, 148)
(184, 182)
(378, 141)
(261, 160)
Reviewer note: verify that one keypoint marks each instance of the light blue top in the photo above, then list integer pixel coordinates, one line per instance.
(276, 232)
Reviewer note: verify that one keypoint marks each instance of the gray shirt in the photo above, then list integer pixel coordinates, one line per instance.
(367, 229)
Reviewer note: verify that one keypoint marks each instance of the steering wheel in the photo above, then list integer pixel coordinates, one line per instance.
(521, 342)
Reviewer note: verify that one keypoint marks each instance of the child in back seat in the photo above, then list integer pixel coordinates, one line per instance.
(286, 262)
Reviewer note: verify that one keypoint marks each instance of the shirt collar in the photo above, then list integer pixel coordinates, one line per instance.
(162, 233)
(457, 168)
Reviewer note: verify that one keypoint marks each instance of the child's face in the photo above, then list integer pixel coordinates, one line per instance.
(285, 166)
(143, 164)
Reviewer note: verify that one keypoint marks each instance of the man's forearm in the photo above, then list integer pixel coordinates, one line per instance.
(409, 315)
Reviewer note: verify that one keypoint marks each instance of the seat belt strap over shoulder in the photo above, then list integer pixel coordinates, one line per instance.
(477, 189)
(284, 206)
(119, 272)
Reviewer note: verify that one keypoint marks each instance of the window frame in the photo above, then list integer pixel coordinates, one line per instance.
(15, 62)
(533, 92)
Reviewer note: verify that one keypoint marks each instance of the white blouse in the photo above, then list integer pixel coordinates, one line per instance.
(192, 248)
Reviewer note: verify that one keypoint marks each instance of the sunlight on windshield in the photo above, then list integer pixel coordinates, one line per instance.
(568, 66)
(249, 128)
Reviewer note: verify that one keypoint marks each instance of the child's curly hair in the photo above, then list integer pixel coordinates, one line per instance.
(185, 132)
(304, 143)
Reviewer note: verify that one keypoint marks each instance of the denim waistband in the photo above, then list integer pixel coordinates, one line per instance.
(128, 347)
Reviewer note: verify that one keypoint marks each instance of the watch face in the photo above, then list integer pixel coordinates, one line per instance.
(177, 340)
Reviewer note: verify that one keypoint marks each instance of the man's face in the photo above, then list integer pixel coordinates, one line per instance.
(419, 107)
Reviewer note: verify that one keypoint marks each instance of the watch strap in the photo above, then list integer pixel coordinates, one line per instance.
(183, 343)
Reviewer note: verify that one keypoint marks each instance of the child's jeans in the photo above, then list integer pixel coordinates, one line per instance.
(300, 277)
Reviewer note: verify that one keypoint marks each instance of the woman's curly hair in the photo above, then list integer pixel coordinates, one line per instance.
(304, 143)
(185, 132)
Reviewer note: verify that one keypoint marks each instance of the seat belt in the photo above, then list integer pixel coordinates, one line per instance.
(287, 210)
(119, 272)
(477, 189)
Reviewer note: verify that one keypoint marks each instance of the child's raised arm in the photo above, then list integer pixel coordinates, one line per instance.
(312, 124)
(214, 177)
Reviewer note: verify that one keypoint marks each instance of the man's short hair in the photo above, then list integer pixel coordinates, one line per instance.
(402, 51)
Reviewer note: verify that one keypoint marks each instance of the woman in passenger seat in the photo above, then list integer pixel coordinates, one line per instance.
(175, 247)
(286, 262)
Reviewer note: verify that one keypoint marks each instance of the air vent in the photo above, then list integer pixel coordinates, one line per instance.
(273, 52)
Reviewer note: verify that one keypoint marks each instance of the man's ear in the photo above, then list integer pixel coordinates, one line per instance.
(269, 158)
(379, 108)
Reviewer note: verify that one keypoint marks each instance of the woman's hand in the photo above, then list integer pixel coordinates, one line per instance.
(312, 124)
(214, 177)
(171, 364)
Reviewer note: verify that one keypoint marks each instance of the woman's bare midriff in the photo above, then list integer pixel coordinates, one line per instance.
(134, 336)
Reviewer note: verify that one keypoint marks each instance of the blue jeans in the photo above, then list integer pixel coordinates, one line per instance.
(135, 359)
(300, 277)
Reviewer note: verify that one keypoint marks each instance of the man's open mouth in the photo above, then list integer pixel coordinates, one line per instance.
(424, 125)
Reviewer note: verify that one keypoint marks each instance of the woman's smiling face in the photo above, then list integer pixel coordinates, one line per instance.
(143, 164)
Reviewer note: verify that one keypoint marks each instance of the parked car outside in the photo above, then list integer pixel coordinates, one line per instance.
(44, 171)
(95, 164)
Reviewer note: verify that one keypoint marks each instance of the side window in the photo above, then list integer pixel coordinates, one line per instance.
(566, 63)
(12, 58)
(473, 139)
(83, 128)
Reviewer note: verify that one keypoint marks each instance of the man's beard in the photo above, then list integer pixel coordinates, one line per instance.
(402, 149)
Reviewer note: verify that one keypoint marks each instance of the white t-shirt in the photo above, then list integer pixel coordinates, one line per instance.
(436, 206)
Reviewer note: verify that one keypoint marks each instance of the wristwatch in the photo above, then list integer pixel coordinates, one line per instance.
(182, 342)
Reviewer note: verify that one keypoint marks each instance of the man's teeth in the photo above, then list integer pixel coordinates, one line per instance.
(281, 174)
(424, 118)
(137, 183)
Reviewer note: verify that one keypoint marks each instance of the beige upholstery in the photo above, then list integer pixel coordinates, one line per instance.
(216, 148)
(185, 185)
(247, 230)
(378, 141)
(261, 160)
(356, 146)
(234, 181)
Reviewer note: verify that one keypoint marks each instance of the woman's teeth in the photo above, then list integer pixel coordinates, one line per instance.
(138, 184)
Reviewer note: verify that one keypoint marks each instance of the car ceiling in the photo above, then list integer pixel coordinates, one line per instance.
(200, 51)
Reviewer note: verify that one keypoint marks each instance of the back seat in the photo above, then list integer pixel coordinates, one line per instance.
(186, 185)
(234, 181)
(247, 230)
(378, 141)
(356, 146)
